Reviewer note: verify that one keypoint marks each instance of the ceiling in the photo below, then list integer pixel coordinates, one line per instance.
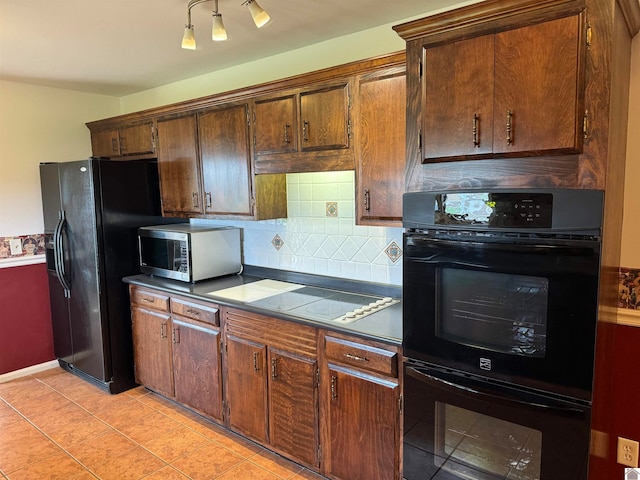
(119, 47)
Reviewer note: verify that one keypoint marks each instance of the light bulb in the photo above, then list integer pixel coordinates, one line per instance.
(260, 17)
(188, 39)
(218, 32)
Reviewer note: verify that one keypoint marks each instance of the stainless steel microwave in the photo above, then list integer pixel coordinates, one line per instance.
(189, 253)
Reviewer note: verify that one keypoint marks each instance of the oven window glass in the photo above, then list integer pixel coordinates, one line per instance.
(474, 446)
(500, 312)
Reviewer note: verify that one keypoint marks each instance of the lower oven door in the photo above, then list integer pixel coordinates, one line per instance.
(458, 428)
(517, 310)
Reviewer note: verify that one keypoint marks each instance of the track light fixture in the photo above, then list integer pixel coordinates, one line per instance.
(218, 32)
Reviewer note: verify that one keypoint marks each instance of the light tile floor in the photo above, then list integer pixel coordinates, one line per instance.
(53, 425)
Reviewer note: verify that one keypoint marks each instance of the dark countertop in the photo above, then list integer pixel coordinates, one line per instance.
(385, 325)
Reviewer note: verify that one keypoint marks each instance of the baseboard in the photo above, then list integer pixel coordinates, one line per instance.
(629, 317)
(5, 377)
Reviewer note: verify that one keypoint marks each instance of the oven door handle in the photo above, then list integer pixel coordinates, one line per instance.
(545, 404)
(535, 248)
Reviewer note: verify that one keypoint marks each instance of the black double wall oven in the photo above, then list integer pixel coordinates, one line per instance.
(500, 294)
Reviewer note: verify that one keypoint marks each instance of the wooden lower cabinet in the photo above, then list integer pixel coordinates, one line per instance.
(327, 400)
(246, 392)
(361, 408)
(196, 366)
(177, 350)
(152, 349)
(271, 375)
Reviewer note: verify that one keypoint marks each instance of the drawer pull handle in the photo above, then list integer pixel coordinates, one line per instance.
(286, 134)
(193, 312)
(176, 335)
(163, 330)
(367, 199)
(350, 356)
(334, 387)
(255, 361)
(476, 119)
(274, 368)
(305, 131)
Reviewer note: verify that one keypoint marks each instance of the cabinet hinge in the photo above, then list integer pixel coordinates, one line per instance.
(248, 117)
(400, 403)
(319, 453)
(585, 124)
(588, 35)
(153, 137)
(420, 69)
(349, 128)
(317, 377)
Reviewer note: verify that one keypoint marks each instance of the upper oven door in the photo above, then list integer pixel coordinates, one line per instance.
(519, 310)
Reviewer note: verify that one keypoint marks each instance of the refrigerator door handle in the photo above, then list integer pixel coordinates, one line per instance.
(59, 254)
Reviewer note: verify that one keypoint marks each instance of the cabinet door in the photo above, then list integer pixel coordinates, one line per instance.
(536, 88)
(105, 143)
(178, 166)
(226, 160)
(325, 118)
(381, 149)
(458, 99)
(152, 350)
(276, 125)
(196, 366)
(246, 387)
(363, 426)
(137, 139)
(293, 405)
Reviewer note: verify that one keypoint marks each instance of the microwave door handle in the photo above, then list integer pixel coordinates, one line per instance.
(546, 404)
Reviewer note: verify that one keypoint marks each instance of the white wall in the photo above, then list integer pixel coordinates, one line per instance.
(39, 124)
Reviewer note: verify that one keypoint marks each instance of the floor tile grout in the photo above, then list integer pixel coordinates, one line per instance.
(71, 389)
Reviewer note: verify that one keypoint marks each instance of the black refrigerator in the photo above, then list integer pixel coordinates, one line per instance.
(92, 210)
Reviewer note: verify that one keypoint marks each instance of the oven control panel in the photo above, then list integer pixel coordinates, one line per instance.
(496, 210)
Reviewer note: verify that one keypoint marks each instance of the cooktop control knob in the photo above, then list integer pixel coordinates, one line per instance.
(366, 308)
(358, 311)
(387, 299)
(380, 302)
(374, 305)
(350, 315)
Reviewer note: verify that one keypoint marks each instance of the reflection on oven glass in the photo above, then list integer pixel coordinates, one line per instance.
(474, 446)
(500, 312)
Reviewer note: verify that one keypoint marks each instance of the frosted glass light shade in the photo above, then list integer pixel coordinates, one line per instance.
(188, 39)
(218, 32)
(260, 17)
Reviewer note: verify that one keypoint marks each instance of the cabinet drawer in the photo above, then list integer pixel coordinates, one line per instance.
(362, 356)
(150, 299)
(195, 311)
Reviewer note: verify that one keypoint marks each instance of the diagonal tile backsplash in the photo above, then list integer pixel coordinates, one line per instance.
(320, 235)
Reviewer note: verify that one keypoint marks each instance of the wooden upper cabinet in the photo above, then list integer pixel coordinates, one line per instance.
(178, 166)
(226, 160)
(324, 118)
(537, 99)
(380, 113)
(276, 125)
(307, 129)
(458, 99)
(513, 93)
(105, 143)
(124, 141)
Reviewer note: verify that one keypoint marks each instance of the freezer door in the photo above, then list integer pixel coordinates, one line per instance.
(50, 188)
(80, 253)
